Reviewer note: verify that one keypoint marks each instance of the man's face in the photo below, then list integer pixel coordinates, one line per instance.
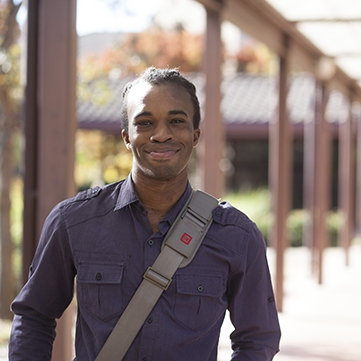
(160, 132)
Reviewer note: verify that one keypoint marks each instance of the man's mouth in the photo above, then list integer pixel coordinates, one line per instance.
(162, 153)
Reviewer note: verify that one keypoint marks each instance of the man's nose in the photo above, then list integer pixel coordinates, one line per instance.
(162, 133)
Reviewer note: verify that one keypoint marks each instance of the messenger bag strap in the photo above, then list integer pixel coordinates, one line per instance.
(179, 248)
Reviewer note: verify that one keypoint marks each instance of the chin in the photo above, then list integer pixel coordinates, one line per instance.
(165, 175)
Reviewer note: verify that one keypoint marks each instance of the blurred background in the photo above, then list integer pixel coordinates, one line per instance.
(281, 136)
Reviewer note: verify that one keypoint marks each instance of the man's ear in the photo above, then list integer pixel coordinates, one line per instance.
(125, 137)
(196, 136)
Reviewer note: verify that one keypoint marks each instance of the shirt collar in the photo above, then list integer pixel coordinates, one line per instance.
(128, 195)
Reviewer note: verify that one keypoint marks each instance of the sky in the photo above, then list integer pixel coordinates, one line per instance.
(101, 16)
(94, 16)
(136, 15)
(124, 16)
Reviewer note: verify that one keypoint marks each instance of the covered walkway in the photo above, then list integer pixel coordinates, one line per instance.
(50, 125)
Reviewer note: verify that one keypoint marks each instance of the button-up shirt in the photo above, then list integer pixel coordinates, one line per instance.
(102, 238)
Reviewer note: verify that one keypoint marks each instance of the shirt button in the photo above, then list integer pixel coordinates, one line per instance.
(98, 276)
(151, 242)
(200, 288)
(149, 320)
(144, 359)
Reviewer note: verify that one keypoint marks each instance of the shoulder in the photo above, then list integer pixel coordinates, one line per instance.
(227, 215)
(234, 229)
(89, 203)
(95, 194)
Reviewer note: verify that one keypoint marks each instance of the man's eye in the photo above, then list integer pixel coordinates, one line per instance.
(178, 120)
(143, 123)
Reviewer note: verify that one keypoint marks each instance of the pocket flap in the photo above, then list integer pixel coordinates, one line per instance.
(200, 285)
(101, 273)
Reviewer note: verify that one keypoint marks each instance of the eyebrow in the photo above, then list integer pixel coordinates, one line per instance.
(141, 114)
(171, 112)
(177, 112)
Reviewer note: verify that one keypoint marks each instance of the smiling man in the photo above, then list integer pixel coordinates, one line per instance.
(107, 237)
(158, 128)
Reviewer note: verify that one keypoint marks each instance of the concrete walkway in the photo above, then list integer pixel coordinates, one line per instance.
(319, 322)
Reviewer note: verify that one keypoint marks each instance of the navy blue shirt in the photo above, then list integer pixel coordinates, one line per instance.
(102, 238)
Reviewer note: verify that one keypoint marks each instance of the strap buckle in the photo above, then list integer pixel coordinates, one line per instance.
(156, 278)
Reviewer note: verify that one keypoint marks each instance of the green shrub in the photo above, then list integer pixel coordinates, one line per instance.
(334, 222)
(295, 226)
(256, 204)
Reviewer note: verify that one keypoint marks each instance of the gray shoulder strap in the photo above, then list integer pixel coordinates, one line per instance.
(179, 248)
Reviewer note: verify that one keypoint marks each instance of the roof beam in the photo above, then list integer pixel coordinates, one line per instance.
(258, 25)
(213, 5)
(260, 20)
(327, 20)
(347, 55)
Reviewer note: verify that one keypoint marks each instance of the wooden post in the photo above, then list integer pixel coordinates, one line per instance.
(346, 183)
(280, 173)
(212, 138)
(51, 125)
(358, 169)
(309, 178)
(30, 235)
(321, 180)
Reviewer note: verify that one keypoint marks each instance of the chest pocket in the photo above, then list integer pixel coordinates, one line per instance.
(199, 299)
(100, 288)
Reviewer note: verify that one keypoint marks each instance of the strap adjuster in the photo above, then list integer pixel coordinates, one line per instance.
(156, 278)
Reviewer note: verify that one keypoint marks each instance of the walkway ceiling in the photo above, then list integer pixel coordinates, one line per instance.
(324, 36)
(334, 26)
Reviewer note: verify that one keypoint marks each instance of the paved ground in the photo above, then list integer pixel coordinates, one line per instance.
(319, 322)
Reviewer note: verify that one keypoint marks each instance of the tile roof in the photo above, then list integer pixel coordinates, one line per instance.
(247, 100)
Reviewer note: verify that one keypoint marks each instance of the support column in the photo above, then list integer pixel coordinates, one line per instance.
(212, 138)
(358, 169)
(51, 124)
(281, 173)
(309, 177)
(56, 103)
(320, 181)
(30, 235)
(346, 181)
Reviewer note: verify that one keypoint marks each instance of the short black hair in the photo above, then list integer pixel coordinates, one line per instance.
(160, 76)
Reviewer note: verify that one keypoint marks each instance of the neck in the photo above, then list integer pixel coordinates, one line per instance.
(159, 197)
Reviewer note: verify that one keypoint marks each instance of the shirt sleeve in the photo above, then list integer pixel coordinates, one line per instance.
(252, 306)
(47, 293)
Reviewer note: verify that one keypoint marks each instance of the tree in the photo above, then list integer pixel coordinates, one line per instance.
(137, 51)
(254, 57)
(10, 95)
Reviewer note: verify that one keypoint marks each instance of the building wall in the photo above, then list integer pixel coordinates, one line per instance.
(250, 168)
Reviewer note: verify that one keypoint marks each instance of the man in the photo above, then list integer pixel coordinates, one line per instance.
(107, 237)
